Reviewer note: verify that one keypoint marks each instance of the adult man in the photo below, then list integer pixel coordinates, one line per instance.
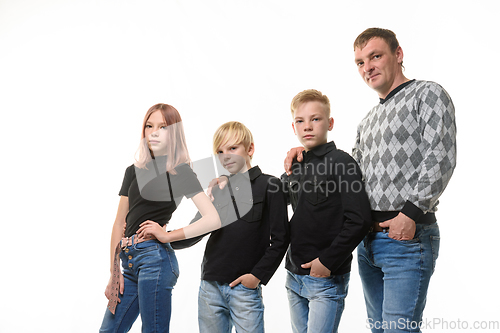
(406, 149)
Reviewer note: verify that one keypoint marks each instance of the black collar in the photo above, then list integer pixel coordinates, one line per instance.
(395, 91)
(321, 150)
(253, 173)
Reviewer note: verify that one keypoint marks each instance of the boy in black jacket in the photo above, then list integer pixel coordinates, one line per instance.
(248, 249)
(331, 216)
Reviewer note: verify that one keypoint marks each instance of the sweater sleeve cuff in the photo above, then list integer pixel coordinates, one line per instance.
(412, 211)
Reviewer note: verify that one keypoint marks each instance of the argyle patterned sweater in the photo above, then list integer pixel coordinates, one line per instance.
(406, 149)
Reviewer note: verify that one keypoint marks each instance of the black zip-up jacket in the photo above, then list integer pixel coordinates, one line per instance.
(331, 209)
(255, 233)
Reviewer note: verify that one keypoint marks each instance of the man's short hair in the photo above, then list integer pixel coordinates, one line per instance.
(387, 35)
(310, 95)
(233, 133)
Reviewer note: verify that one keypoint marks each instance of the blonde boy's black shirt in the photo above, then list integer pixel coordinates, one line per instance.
(255, 234)
(331, 209)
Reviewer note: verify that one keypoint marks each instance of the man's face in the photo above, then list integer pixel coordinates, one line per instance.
(379, 67)
(311, 125)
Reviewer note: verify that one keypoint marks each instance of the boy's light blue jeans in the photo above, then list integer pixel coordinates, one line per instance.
(220, 307)
(150, 271)
(316, 304)
(395, 276)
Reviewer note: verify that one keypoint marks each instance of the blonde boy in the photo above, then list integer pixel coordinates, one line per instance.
(245, 253)
(331, 216)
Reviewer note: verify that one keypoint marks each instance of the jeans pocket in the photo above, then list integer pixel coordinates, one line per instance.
(409, 241)
(146, 246)
(246, 288)
(321, 277)
(319, 283)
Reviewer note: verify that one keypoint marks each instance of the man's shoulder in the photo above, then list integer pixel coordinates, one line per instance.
(413, 89)
(432, 95)
(427, 83)
(423, 86)
(369, 114)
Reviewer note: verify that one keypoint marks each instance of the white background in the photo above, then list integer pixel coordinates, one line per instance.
(76, 78)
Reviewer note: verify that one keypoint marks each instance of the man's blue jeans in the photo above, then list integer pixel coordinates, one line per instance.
(220, 306)
(316, 304)
(395, 276)
(150, 271)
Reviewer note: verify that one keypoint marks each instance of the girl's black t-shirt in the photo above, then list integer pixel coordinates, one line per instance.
(154, 194)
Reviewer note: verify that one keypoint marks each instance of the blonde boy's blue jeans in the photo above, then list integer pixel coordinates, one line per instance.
(220, 307)
(316, 304)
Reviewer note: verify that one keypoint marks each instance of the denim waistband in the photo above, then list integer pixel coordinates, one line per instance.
(129, 241)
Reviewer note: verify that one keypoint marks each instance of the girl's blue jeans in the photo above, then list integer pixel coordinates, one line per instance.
(150, 271)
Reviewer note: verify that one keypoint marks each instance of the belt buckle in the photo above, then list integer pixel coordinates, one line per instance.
(126, 243)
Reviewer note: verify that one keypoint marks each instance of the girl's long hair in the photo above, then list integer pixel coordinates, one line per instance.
(177, 151)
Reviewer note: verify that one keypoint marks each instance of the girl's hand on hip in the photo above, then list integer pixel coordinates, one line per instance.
(151, 230)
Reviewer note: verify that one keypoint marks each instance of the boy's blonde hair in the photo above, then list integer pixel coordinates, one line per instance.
(234, 133)
(310, 95)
